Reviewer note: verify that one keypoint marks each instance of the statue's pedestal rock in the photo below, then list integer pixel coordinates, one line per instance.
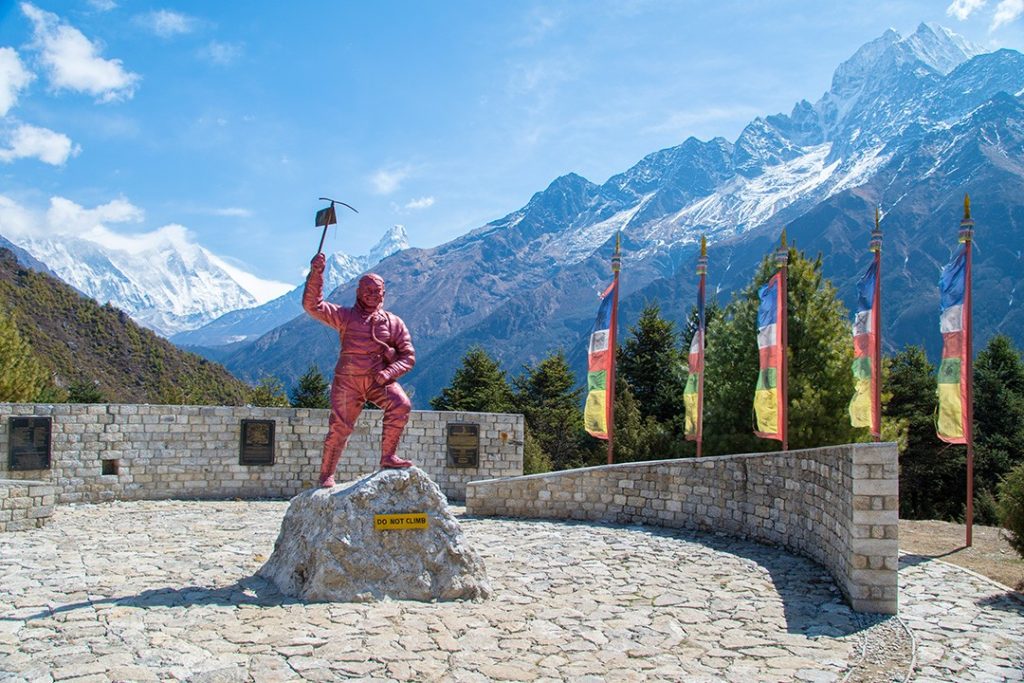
(330, 548)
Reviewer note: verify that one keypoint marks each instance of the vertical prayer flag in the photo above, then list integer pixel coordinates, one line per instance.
(767, 396)
(693, 393)
(865, 408)
(600, 358)
(952, 420)
(599, 411)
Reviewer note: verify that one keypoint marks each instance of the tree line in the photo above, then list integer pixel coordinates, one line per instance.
(651, 375)
(650, 379)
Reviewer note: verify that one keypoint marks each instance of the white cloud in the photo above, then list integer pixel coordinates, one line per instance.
(1006, 12)
(72, 61)
(13, 78)
(102, 5)
(41, 143)
(386, 181)
(166, 23)
(962, 9)
(66, 217)
(233, 212)
(421, 203)
(221, 53)
(263, 290)
(63, 217)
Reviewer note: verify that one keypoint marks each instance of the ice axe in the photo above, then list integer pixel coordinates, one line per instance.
(326, 217)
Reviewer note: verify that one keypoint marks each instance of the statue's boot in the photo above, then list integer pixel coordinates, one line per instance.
(327, 467)
(389, 445)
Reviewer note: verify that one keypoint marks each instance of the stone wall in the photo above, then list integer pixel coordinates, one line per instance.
(838, 505)
(132, 452)
(25, 504)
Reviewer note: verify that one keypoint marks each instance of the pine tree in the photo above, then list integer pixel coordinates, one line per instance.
(547, 396)
(478, 386)
(311, 391)
(932, 474)
(22, 377)
(998, 421)
(819, 358)
(653, 366)
(269, 393)
(84, 390)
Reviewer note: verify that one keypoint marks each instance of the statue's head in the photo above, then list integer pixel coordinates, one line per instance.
(370, 293)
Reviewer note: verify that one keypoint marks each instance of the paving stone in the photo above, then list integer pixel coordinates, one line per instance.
(174, 598)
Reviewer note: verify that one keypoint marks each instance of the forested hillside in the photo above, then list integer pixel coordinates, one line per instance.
(79, 343)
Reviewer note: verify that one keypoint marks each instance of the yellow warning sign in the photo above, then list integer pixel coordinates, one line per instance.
(400, 522)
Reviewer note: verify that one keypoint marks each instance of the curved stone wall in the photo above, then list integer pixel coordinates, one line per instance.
(837, 505)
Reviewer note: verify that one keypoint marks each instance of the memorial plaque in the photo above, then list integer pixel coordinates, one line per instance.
(463, 444)
(28, 443)
(257, 444)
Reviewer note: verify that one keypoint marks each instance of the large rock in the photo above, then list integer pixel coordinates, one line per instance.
(329, 548)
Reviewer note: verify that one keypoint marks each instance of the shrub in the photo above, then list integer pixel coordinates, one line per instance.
(1011, 507)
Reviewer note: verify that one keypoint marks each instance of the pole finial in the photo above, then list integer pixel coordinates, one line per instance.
(967, 207)
(703, 246)
(783, 238)
(877, 217)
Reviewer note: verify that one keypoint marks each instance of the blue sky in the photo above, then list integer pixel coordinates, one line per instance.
(223, 122)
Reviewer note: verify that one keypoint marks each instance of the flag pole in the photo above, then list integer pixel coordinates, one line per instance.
(967, 236)
(782, 258)
(610, 408)
(702, 271)
(876, 315)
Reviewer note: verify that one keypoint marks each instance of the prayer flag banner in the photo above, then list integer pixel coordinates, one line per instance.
(691, 394)
(863, 409)
(767, 399)
(599, 368)
(952, 390)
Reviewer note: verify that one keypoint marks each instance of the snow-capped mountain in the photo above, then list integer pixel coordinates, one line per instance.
(238, 326)
(908, 123)
(167, 286)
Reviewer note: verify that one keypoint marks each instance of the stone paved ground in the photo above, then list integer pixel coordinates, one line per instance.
(149, 591)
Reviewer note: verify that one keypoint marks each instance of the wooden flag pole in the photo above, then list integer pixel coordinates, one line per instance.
(702, 271)
(876, 325)
(967, 237)
(782, 258)
(610, 409)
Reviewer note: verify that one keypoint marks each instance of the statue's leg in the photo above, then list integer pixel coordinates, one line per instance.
(392, 400)
(346, 404)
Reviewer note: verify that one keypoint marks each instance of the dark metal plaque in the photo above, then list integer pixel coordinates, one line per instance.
(257, 444)
(463, 444)
(28, 443)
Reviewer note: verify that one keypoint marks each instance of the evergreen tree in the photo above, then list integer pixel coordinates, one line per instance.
(311, 391)
(22, 377)
(83, 390)
(998, 421)
(269, 393)
(932, 474)
(819, 358)
(637, 437)
(653, 366)
(547, 396)
(478, 386)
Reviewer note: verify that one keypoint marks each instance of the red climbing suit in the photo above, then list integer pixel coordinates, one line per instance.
(376, 349)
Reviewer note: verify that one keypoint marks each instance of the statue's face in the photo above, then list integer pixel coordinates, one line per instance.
(370, 293)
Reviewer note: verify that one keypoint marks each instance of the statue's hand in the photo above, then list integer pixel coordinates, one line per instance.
(318, 263)
(382, 378)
